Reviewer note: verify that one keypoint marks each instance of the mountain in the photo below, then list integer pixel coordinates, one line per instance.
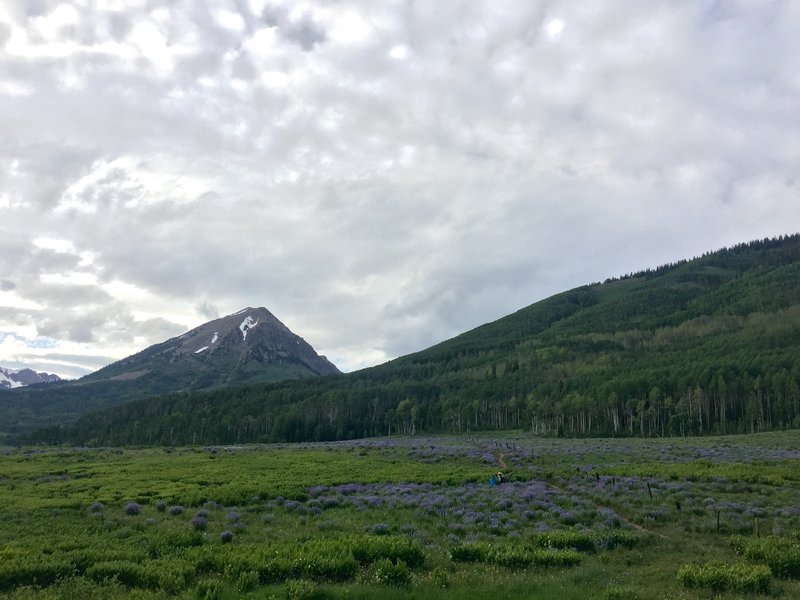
(14, 378)
(708, 345)
(249, 346)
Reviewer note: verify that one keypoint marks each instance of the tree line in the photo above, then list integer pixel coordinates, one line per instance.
(699, 347)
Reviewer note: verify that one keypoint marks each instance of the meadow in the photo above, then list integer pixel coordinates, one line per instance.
(620, 519)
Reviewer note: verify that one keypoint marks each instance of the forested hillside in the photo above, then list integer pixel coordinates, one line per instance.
(710, 345)
(250, 346)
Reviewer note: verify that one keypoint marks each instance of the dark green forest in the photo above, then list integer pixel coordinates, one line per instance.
(703, 346)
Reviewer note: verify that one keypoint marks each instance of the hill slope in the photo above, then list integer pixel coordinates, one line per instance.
(707, 345)
(246, 347)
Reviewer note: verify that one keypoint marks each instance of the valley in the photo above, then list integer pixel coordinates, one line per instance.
(406, 518)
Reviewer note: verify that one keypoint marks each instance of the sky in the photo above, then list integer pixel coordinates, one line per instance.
(381, 176)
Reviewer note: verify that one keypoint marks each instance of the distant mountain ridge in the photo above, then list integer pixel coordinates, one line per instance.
(249, 346)
(708, 345)
(15, 378)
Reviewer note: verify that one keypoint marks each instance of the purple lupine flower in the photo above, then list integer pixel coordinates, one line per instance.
(380, 529)
(292, 506)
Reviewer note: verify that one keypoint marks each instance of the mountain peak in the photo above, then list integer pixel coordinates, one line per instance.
(14, 378)
(246, 346)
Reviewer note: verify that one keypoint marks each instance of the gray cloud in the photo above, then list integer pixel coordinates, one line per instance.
(207, 310)
(379, 180)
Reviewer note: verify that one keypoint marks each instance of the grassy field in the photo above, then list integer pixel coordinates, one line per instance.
(714, 517)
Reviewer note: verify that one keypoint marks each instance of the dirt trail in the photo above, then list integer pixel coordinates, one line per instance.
(621, 517)
(636, 526)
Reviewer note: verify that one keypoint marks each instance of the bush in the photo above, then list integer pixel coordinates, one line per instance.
(199, 523)
(368, 549)
(300, 589)
(615, 539)
(565, 539)
(209, 590)
(127, 573)
(556, 558)
(25, 570)
(514, 556)
(175, 510)
(620, 592)
(247, 581)
(721, 577)
(394, 574)
(161, 506)
(476, 552)
(380, 529)
(511, 557)
(132, 508)
(780, 554)
(226, 537)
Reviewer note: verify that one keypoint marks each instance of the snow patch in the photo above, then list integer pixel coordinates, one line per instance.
(203, 349)
(6, 382)
(215, 338)
(247, 325)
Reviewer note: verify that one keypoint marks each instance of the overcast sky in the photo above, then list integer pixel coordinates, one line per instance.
(381, 175)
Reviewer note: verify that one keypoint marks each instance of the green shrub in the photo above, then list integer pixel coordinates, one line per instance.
(369, 548)
(556, 558)
(300, 589)
(165, 544)
(620, 592)
(127, 573)
(780, 554)
(565, 539)
(440, 578)
(474, 552)
(394, 574)
(33, 570)
(209, 589)
(514, 556)
(720, 577)
(617, 539)
(247, 581)
(171, 576)
(511, 557)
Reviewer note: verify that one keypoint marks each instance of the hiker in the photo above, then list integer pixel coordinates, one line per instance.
(496, 479)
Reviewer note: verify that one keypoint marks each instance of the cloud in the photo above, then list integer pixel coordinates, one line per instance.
(380, 176)
(207, 310)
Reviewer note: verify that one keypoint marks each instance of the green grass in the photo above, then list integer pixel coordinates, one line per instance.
(406, 518)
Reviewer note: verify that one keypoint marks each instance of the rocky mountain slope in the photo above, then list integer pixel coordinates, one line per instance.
(250, 346)
(15, 378)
